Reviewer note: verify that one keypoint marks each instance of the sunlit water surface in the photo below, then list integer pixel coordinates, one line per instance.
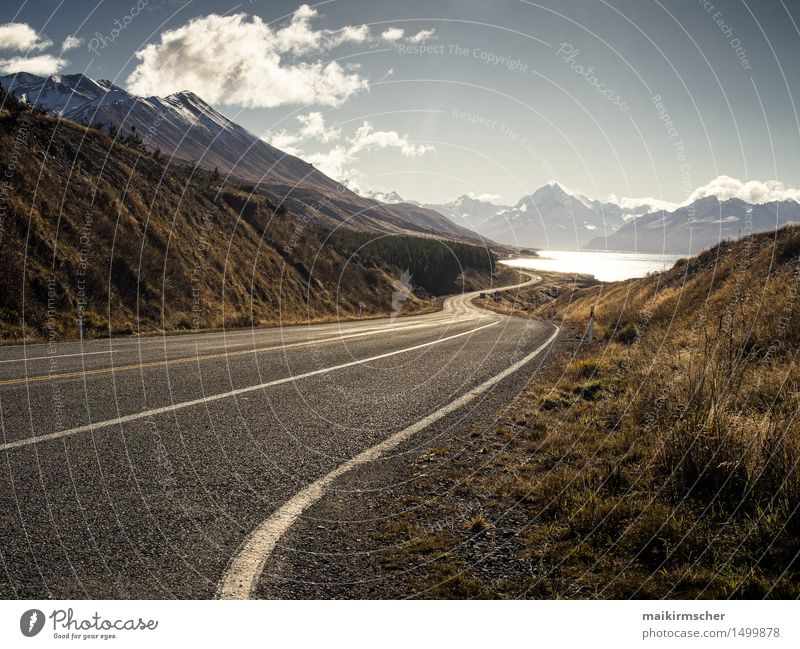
(605, 266)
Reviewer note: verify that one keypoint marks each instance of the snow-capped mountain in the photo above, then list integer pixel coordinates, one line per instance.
(182, 125)
(65, 95)
(185, 127)
(468, 211)
(551, 217)
(698, 225)
(392, 198)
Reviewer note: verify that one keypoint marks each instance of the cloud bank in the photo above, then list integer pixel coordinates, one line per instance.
(21, 37)
(335, 161)
(42, 65)
(752, 191)
(238, 60)
(312, 127)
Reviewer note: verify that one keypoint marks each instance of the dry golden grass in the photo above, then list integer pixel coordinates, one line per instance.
(153, 247)
(662, 461)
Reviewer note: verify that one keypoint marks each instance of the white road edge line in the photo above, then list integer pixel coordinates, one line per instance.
(224, 395)
(245, 567)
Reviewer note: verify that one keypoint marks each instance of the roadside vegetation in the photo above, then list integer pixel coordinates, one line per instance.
(435, 265)
(661, 461)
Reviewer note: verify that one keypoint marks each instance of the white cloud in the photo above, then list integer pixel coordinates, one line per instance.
(43, 65)
(70, 43)
(298, 37)
(239, 60)
(21, 36)
(393, 34)
(654, 204)
(753, 191)
(349, 34)
(334, 162)
(485, 197)
(366, 137)
(422, 36)
(312, 127)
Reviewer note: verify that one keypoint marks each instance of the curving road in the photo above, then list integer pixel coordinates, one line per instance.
(171, 466)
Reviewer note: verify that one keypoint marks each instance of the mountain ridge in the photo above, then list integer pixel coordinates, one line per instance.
(184, 127)
(700, 225)
(552, 217)
(102, 238)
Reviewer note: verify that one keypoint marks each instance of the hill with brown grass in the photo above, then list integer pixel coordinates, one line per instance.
(103, 237)
(663, 460)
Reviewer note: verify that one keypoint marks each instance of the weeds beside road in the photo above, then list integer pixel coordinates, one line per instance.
(662, 461)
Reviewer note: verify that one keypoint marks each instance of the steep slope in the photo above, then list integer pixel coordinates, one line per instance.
(699, 225)
(185, 127)
(100, 238)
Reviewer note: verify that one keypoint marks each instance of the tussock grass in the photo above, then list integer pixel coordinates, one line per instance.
(663, 461)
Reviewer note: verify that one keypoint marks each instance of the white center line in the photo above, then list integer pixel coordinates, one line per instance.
(44, 358)
(224, 395)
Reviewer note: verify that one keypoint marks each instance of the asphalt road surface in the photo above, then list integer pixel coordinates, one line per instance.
(157, 467)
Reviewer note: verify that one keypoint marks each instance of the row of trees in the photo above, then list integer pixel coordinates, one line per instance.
(434, 264)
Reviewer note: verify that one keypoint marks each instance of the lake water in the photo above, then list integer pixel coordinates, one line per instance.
(605, 266)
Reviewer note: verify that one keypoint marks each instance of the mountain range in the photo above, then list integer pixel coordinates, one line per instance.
(184, 127)
(554, 218)
(699, 225)
(550, 217)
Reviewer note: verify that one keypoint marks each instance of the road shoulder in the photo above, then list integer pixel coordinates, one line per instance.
(350, 544)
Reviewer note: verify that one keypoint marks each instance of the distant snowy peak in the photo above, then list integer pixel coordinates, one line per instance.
(468, 210)
(391, 197)
(700, 224)
(472, 202)
(63, 94)
(182, 125)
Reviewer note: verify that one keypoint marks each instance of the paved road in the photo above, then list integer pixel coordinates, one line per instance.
(141, 467)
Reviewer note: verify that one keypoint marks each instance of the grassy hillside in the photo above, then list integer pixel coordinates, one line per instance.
(110, 237)
(433, 264)
(661, 461)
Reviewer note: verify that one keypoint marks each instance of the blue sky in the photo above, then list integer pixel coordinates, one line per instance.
(439, 98)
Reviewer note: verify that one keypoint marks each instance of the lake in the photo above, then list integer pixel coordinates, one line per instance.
(605, 266)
